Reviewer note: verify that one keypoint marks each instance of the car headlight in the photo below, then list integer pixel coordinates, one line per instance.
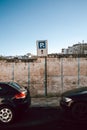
(66, 99)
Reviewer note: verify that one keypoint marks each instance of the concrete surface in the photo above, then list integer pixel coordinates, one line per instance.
(44, 101)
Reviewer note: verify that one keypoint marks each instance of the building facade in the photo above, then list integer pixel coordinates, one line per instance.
(80, 48)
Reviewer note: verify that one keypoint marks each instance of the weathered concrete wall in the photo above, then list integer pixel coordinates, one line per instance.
(62, 74)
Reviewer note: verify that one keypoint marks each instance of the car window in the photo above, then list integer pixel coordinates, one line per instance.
(6, 89)
(3, 89)
(0, 88)
(15, 85)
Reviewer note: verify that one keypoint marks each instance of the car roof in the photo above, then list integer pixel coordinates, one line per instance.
(4, 82)
(11, 84)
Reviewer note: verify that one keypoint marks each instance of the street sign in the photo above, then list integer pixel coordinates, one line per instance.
(42, 47)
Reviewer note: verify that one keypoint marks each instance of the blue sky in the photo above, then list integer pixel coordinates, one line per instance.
(22, 22)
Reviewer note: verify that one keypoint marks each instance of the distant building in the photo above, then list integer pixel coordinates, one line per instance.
(80, 48)
(64, 51)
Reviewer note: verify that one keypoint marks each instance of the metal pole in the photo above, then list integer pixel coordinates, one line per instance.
(62, 73)
(45, 76)
(28, 75)
(13, 72)
(78, 71)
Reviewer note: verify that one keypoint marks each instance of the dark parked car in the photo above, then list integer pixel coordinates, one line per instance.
(13, 99)
(75, 103)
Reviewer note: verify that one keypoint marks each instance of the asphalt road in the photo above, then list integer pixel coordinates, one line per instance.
(45, 118)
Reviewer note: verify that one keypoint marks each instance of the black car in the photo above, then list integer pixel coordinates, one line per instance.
(13, 99)
(75, 103)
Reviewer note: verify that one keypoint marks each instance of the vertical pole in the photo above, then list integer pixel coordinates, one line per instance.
(45, 76)
(78, 71)
(13, 72)
(62, 73)
(28, 75)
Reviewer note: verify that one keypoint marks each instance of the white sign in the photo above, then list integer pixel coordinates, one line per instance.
(42, 47)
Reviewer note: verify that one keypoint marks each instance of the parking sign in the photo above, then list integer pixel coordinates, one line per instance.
(42, 47)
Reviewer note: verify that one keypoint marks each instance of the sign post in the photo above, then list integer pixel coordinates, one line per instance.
(42, 51)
